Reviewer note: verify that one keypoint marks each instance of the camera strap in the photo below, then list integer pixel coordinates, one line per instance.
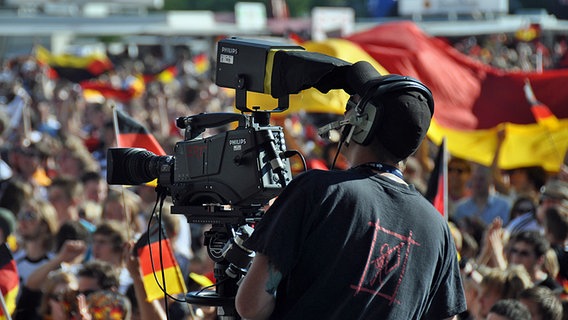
(383, 168)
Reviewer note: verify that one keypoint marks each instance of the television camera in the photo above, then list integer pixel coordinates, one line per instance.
(227, 179)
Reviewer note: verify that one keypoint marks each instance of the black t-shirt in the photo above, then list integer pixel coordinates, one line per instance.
(356, 245)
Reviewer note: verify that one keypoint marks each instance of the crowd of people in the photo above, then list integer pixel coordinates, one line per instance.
(72, 234)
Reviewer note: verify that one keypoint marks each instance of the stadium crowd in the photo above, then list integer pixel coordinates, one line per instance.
(71, 234)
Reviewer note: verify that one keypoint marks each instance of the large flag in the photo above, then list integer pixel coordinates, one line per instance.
(437, 191)
(133, 134)
(74, 68)
(158, 263)
(9, 281)
(475, 101)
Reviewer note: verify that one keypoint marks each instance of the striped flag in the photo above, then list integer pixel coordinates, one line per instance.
(74, 68)
(540, 111)
(166, 75)
(132, 134)
(158, 263)
(132, 88)
(437, 191)
(9, 281)
(201, 63)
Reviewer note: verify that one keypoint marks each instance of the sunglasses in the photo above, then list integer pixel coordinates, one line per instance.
(64, 296)
(27, 216)
(522, 253)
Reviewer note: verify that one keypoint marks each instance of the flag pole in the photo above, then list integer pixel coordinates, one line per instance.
(445, 156)
(116, 133)
(4, 307)
(549, 125)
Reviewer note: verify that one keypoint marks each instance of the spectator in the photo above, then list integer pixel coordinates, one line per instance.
(484, 202)
(49, 302)
(542, 303)
(7, 224)
(459, 173)
(97, 275)
(71, 246)
(529, 248)
(523, 216)
(13, 194)
(509, 309)
(74, 159)
(106, 304)
(26, 164)
(108, 241)
(66, 195)
(123, 206)
(500, 284)
(554, 192)
(37, 226)
(556, 232)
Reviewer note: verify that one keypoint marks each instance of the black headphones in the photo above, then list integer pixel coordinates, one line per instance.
(363, 118)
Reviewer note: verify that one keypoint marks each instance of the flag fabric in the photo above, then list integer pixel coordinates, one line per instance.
(166, 75)
(437, 190)
(132, 88)
(132, 134)
(9, 280)
(473, 100)
(74, 68)
(540, 111)
(201, 63)
(158, 262)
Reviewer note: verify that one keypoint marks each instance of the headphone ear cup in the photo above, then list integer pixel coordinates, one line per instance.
(367, 122)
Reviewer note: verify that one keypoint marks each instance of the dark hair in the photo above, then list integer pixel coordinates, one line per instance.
(537, 176)
(519, 202)
(556, 222)
(511, 309)
(106, 276)
(91, 176)
(549, 306)
(113, 231)
(71, 230)
(534, 238)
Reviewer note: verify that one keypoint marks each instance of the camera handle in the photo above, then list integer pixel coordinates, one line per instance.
(241, 97)
(196, 124)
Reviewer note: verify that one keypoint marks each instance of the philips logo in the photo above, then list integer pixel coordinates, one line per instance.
(229, 50)
(236, 142)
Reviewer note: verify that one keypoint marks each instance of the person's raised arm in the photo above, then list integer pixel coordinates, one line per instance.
(69, 253)
(148, 309)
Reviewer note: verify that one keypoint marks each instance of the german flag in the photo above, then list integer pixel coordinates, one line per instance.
(133, 88)
(158, 263)
(133, 134)
(540, 111)
(74, 68)
(201, 63)
(166, 75)
(437, 191)
(9, 280)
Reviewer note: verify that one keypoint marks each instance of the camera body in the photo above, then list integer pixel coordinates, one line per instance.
(240, 168)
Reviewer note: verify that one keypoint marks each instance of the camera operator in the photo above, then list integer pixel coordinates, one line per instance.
(359, 243)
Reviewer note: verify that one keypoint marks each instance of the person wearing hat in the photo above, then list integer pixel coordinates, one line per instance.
(7, 224)
(359, 243)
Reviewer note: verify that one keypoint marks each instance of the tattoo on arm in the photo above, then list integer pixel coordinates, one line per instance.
(274, 277)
